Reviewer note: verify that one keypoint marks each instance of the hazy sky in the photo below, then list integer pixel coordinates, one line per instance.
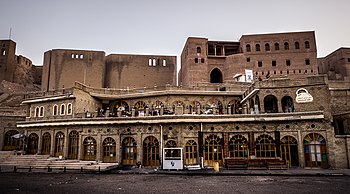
(162, 26)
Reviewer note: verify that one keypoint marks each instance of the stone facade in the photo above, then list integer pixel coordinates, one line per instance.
(17, 68)
(336, 65)
(63, 67)
(113, 109)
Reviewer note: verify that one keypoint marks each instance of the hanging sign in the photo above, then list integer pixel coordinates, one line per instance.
(303, 96)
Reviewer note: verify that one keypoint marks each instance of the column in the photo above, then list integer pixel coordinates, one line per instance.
(52, 150)
(65, 148)
(226, 144)
(40, 144)
(80, 147)
(99, 147)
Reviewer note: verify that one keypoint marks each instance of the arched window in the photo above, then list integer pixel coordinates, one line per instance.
(90, 148)
(277, 46)
(109, 150)
(151, 151)
(315, 150)
(46, 144)
(199, 50)
(69, 109)
(286, 46)
(36, 111)
(247, 48)
(289, 150)
(33, 140)
(59, 144)
(287, 104)
(55, 110)
(297, 46)
(171, 153)
(213, 150)
(238, 147)
(270, 104)
(257, 47)
(267, 47)
(41, 111)
(11, 143)
(73, 145)
(307, 44)
(63, 109)
(191, 152)
(265, 147)
(129, 151)
(216, 76)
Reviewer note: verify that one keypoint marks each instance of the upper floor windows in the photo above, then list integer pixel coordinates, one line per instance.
(164, 62)
(286, 46)
(247, 48)
(39, 111)
(69, 109)
(199, 50)
(3, 52)
(77, 56)
(307, 61)
(63, 109)
(55, 110)
(296, 45)
(257, 47)
(267, 47)
(259, 63)
(307, 44)
(277, 46)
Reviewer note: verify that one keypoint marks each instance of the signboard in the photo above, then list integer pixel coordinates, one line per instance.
(172, 159)
(303, 96)
(249, 75)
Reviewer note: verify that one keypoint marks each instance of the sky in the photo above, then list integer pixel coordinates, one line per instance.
(161, 27)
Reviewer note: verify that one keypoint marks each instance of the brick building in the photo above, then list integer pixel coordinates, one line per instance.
(293, 117)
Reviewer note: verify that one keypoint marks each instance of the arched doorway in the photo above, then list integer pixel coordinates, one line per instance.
(238, 147)
(287, 104)
(33, 143)
(129, 151)
(109, 150)
(265, 147)
(171, 153)
(315, 150)
(46, 145)
(270, 104)
(11, 143)
(216, 76)
(73, 146)
(59, 144)
(151, 151)
(213, 150)
(191, 152)
(90, 147)
(289, 150)
(121, 106)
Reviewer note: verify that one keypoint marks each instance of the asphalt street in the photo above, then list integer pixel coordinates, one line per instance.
(155, 183)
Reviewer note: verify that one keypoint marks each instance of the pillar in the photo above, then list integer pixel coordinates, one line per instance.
(40, 140)
(99, 147)
(81, 147)
(65, 148)
(52, 150)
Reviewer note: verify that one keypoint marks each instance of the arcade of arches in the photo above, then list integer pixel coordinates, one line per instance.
(216, 147)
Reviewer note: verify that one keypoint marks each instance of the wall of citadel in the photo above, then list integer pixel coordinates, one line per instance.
(137, 71)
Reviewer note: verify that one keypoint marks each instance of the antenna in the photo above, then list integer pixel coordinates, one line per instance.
(10, 33)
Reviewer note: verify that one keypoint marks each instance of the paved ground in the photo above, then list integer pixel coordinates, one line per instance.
(168, 183)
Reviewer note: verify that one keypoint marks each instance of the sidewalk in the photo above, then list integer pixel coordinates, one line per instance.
(225, 172)
(201, 172)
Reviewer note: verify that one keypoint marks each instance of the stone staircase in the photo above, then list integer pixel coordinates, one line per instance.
(47, 163)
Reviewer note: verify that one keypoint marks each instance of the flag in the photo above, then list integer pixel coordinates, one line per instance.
(249, 75)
